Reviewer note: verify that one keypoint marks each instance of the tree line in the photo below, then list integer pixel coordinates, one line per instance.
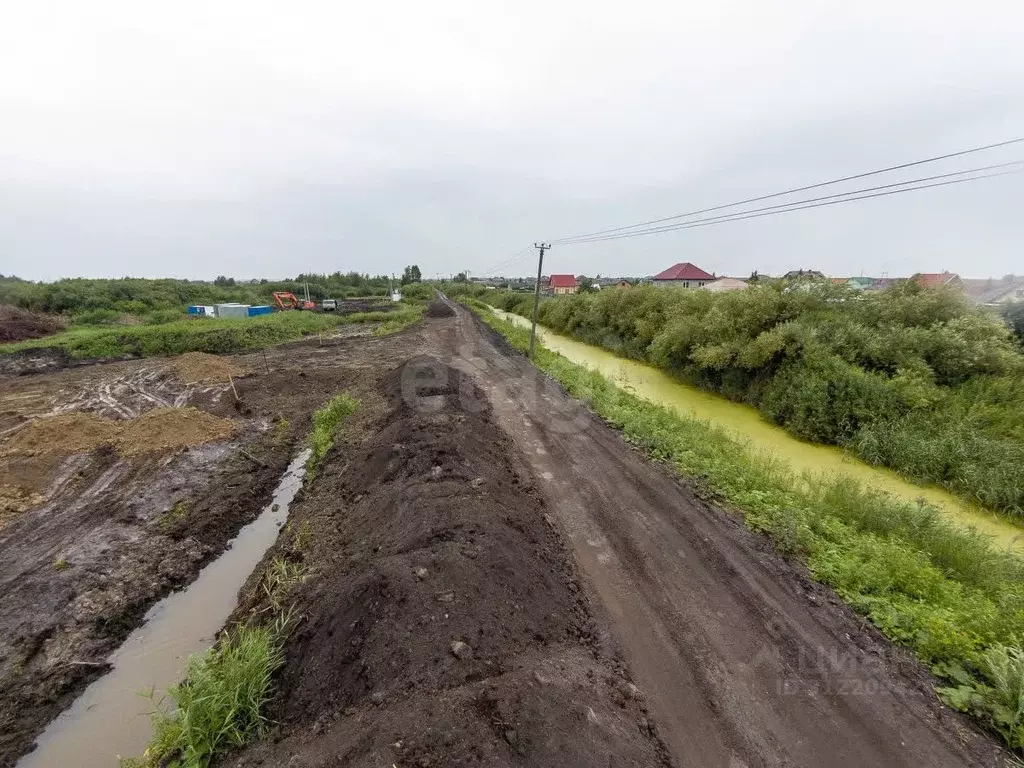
(910, 378)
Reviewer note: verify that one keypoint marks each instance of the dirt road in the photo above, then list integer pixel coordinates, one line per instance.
(743, 660)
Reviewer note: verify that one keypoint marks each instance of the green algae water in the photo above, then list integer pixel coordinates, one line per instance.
(746, 423)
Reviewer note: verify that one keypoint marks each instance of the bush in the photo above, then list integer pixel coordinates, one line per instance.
(909, 378)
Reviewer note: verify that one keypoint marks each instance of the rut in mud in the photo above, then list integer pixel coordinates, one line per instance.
(443, 623)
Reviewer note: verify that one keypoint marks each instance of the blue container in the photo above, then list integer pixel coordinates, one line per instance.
(197, 310)
(264, 310)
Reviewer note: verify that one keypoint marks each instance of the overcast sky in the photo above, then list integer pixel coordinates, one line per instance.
(259, 138)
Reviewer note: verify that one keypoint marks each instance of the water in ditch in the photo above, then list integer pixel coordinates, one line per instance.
(747, 423)
(111, 718)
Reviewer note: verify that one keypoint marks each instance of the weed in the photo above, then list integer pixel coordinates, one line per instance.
(325, 425)
(170, 520)
(219, 705)
(400, 320)
(281, 576)
(946, 593)
(60, 564)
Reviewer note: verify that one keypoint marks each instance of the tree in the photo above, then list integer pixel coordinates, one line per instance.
(224, 282)
(411, 275)
(585, 284)
(1013, 313)
(461, 278)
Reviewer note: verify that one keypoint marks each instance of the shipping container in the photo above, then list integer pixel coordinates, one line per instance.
(232, 310)
(260, 310)
(201, 310)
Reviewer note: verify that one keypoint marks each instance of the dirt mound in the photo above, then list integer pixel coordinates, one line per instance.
(443, 624)
(20, 324)
(438, 308)
(196, 367)
(161, 429)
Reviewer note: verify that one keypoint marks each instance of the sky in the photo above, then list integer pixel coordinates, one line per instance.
(265, 139)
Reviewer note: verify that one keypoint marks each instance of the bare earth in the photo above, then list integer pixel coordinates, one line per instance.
(743, 661)
(609, 616)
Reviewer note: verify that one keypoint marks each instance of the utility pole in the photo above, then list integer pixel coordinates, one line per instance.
(536, 292)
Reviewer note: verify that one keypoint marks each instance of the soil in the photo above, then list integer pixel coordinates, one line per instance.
(20, 324)
(94, 536)
(443, 622)
(195, 367)
(438, 308)
(742, 658)
(155, 431)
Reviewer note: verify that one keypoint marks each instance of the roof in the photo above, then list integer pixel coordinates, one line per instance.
(562, 281)
(934, 279)
(684, 271)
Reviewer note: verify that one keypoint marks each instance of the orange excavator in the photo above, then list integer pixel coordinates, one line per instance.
(288, 300)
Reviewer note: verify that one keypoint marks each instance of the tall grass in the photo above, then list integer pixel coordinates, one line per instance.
(213, 335)
(948, 594)
(220, 703)
(326, 421)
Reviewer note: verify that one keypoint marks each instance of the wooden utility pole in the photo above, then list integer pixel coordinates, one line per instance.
(536, 292)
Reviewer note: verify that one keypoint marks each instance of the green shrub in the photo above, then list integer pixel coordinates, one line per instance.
(909, 378)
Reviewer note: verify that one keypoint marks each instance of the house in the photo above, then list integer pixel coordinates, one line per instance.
(623, 284)
(856, 283)
(559, 285)
(725, 284)
(684, 274)
(937, 279)
(992, 292)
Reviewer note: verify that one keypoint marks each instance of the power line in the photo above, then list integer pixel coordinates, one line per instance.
(515, 257)
(800, 206)
(566, 240)
(780, 206)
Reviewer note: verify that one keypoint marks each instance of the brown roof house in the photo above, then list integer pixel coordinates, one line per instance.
(684, 274)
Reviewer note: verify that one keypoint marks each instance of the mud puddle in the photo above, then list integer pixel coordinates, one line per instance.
(110, 718)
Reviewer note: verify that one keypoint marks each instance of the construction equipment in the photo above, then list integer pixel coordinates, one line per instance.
(288, 300)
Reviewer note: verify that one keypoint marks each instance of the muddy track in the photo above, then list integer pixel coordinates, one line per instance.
(744, 661)
(442, 619)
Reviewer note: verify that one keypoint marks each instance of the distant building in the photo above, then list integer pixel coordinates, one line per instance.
(994, 291)
(857, 283)
(725, 284)
(937, 279)
(559, 285)
(623, 284)
(684, 274)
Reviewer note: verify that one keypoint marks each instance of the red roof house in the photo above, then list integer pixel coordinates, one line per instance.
(685, 274)
(936, 279)
(561, 284)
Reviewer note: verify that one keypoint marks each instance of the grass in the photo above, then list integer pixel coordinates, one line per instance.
(400, 320)
(946, 593)
(325, 426)
(219, 705)
(213, 335)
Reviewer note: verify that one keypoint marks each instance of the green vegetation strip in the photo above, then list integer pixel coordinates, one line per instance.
(213, 335)
(219, 705)
(914, 379)
(946, 593)
(326, 422)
